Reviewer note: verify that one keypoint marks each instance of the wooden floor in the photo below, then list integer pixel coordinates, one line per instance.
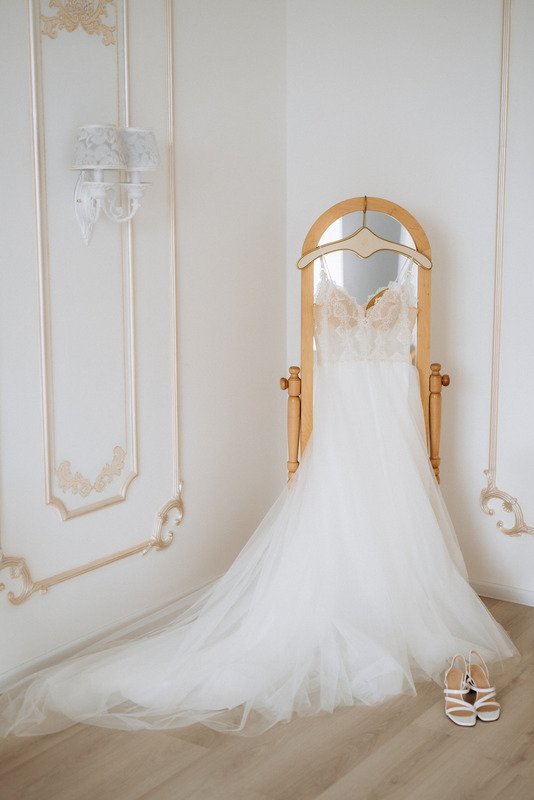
(405, 749)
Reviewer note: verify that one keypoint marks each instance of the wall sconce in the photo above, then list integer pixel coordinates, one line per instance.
(106, 147)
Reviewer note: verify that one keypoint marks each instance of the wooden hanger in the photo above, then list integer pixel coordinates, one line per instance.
(364, 243)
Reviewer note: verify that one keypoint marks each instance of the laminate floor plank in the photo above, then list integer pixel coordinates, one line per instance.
(16, 750)
(98, 763)
(296, 761)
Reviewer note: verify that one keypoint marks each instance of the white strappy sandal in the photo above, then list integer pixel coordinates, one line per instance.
(485, 705)
(456, 708)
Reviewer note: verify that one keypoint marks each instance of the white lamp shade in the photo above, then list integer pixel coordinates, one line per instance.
(99, 147)
(140, 149)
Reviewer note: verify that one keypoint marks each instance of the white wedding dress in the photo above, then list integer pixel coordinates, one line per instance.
(352, 587)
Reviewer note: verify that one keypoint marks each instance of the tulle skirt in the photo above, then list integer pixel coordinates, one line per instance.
(351, 589)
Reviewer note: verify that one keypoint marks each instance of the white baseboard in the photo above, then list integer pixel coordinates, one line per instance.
(58, 654)
(499, 592)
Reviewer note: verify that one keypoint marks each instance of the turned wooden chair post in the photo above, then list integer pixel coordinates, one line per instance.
(293, 385)
(436, 382)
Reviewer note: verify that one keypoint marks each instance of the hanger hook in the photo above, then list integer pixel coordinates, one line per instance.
(364, 209)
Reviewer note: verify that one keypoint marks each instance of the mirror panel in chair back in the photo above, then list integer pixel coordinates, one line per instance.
(363, 279)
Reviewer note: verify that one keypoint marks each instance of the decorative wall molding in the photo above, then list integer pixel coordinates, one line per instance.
(67, 509)
(71, 14)
(163, 536)
(509, 504)
(170, 515)
(79, 484)
(491, 491)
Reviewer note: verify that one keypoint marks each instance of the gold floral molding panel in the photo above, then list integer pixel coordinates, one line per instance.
(170, 515)
(79, 484)
(73, 13)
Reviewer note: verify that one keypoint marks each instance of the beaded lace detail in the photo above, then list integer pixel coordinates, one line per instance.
(346, 330)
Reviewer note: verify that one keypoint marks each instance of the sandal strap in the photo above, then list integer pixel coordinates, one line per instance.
(486, 700)
(479, 689)
(485, 689)
(450, 712)
(473, 685)
(455, 691)
(481, 664)
(459, 657)
(461, 705)
(491, 706)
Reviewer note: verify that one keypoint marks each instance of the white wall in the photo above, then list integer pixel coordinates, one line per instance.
(230, 196)
(401, 100)
(230, 72)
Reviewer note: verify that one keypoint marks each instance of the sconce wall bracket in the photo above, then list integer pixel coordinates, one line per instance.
(93, 196)
(86, 207)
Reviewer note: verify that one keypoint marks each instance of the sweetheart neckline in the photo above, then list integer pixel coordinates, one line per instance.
(363, 306)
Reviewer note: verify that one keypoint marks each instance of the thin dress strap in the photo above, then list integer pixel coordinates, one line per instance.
(406, 282)
(405, 272)
(324, 269)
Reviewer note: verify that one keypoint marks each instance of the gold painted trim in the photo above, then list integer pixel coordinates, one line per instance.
(177, 480)
(79, 484)
(491, 491)
(71, 14)
(166, 522)
(509, 504)
(163, 536)
(43, 261)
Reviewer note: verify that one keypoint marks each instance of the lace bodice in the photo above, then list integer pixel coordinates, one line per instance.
(346, 330)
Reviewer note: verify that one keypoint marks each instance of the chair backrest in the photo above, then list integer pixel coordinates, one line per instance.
(422, 354)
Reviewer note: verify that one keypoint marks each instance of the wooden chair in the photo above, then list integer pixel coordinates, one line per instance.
(300, 381)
